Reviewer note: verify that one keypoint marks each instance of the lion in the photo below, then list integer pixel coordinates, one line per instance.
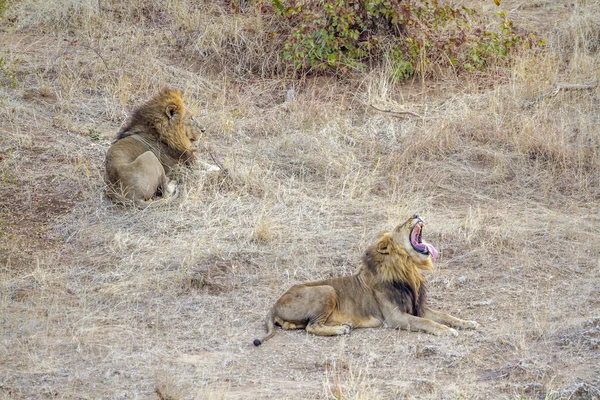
(159, 135)
(388, 290)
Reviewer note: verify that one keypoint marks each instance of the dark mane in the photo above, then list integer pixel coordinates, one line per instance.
(133, 125)
(404, 296)
(368, 260)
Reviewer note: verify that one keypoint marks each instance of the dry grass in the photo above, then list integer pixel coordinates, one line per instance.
(97, 301)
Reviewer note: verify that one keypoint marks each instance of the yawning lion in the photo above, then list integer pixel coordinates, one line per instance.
(388, 290)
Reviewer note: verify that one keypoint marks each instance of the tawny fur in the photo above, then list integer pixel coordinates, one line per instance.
(388, 290)
(158, 136)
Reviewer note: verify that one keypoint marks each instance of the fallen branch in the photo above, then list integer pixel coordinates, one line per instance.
(557, 88)
(219, 164)
(397, 113)
(224, 171)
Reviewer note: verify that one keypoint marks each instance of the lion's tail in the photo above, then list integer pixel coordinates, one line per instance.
(270, 325)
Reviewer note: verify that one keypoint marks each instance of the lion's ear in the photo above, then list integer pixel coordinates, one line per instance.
(171, 110)
(383, 245)
(383, 233)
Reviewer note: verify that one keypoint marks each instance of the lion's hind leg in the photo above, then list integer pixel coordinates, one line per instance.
(448, 320)
(139, 181)
(309, 307)
(148, 183)
(328, 330)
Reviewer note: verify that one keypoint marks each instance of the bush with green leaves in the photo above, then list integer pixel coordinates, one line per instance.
(324, 36)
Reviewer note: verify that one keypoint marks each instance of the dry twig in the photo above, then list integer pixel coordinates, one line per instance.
(218, 163)
(557, 88)
(397, 113)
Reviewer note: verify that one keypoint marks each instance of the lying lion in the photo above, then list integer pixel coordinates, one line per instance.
(388, 290)
(159, 135)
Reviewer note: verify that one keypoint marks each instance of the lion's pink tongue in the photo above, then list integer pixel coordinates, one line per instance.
(423, 245)
(432, 250)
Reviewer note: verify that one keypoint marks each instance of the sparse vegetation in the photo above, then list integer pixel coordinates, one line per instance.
(8, 74)
(100, 301)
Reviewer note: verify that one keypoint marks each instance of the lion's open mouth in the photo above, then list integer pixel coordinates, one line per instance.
(418, 244)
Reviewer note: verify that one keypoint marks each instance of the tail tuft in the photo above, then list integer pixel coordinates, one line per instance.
(270, 325)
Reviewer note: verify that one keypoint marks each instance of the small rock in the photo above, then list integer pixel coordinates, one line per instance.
(427, 350)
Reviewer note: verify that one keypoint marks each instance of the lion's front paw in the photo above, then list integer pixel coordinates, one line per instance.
(210, 168)
(213, 169)
(450, 332)
(470, 324)
(346, 329)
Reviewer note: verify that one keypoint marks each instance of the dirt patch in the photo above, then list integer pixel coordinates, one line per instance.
(110, 302)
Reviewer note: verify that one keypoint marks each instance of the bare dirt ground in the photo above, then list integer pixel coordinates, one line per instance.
(98, 301)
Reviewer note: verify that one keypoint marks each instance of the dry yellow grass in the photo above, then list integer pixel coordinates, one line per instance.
(97, 301)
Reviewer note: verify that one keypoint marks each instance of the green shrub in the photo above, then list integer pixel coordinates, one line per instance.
(339, 36)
